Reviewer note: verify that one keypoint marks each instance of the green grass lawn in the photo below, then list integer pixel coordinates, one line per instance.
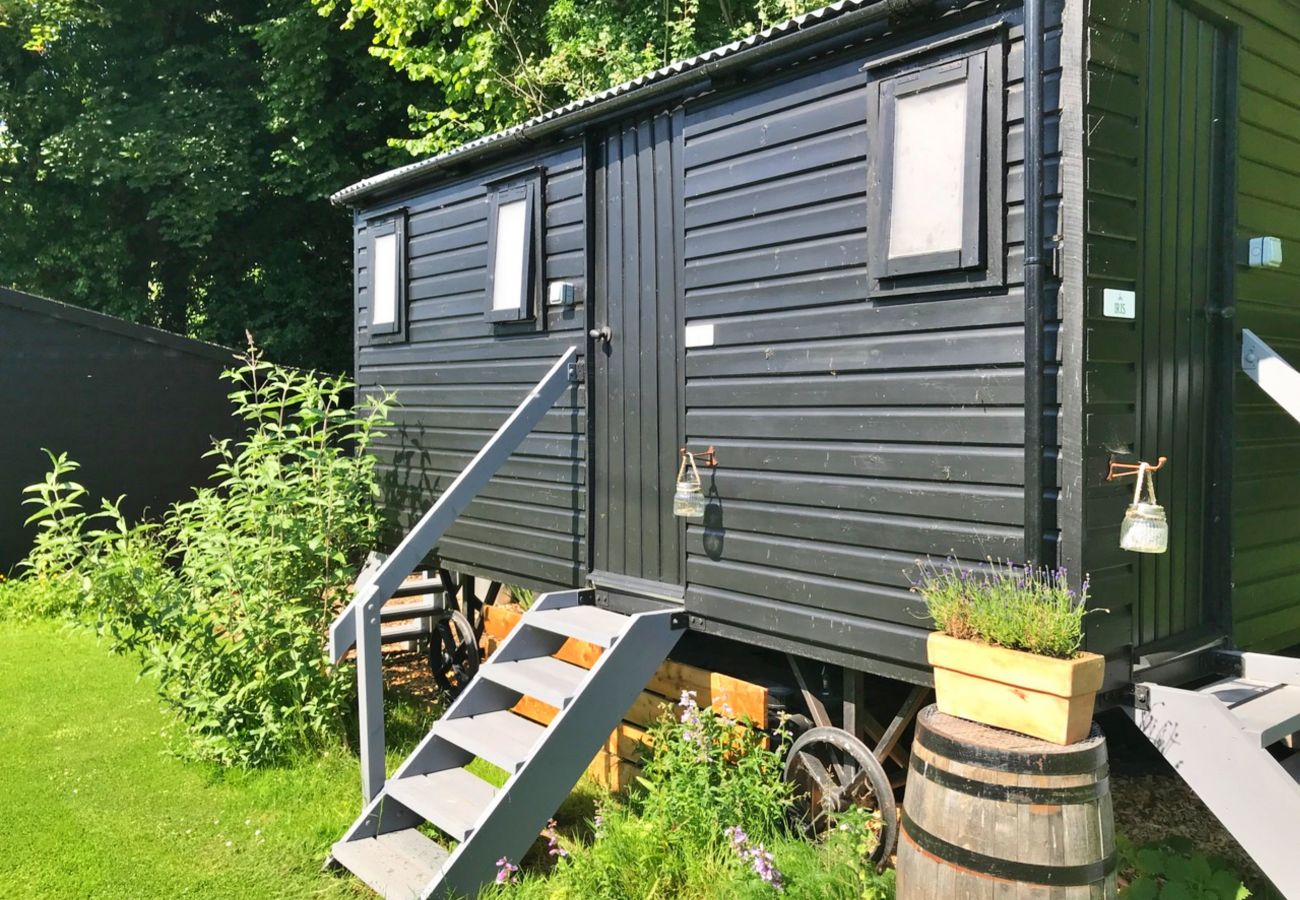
(95, 806)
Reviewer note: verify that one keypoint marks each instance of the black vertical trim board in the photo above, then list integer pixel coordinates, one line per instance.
(1036, 553)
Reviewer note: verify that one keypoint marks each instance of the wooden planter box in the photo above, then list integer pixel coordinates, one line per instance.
(1050, 699)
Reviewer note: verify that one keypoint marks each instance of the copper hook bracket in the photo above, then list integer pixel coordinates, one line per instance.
(707, 458)
(1124, 470)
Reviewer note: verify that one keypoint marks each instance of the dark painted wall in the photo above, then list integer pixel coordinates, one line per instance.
(458, 376)
(1129, 51)
(857, 430)
(856, 435)
(136, 407)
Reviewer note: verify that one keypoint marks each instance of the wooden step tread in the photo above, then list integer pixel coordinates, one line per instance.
(397, 865)
(451, 799)
(586, 623)
(544, 678)
(502, 738)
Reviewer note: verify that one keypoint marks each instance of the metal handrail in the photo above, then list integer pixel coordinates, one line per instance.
(1275, 375)
(359, 622)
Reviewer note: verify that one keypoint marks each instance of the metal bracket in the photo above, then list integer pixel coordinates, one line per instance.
(577, 372)
(1141, 697)
(679, 620)
(1228, 664)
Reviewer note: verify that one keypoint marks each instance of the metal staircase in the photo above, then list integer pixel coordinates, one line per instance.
(385, 847)
(1228, 741)
(1234, 741)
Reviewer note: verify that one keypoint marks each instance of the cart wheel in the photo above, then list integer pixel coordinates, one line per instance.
(453, 652)
(831, 770)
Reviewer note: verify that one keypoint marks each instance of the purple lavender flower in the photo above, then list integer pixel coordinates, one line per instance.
(553, 847)
(506, 871)
(759, 858)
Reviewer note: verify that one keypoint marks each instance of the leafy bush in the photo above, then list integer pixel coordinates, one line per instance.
(1021, 608)
(49, 582)
(227, 599)
(1173, 869)
(707, 820)
(263, 558)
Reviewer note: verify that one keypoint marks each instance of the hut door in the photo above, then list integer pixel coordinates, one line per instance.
(1181, 294)
(637, 379)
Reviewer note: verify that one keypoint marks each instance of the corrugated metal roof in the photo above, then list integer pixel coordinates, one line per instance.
(636, 85)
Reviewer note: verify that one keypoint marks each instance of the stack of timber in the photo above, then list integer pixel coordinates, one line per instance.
(617, 764)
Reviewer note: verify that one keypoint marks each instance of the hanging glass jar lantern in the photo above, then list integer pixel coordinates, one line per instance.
(688, 501)
(1145, 528)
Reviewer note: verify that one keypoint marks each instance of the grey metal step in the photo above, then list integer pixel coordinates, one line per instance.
(586, 623)
(545, 678)
(502, 738)
(398, 865)
(416, 586)
(405, 631)
(1292, 766)
(451, 799)
(1268, 711)
(394, 611)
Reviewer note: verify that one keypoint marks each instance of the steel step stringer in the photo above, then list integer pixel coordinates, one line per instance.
(515, 814)
(1253, 794)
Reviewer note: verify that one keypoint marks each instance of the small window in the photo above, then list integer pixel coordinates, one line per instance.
(387, 277)
(512, 252)
(929, 207)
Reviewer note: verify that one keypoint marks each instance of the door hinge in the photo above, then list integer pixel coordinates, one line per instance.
(577, 372)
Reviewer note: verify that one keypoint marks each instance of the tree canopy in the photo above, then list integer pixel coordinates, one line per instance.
(170, 161)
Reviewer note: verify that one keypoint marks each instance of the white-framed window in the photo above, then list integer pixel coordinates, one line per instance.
(387, 266)
(513, 240)
(935, 173)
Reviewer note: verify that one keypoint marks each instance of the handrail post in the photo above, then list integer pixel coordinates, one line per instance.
(1262, 364)
(370, 695)
(359, 623)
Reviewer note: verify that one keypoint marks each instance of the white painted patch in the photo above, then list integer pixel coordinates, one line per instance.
(1119, 304)
(700, 335)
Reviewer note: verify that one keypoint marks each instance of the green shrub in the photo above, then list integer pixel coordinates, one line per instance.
(228, 598)
(50, 582)
(1173, 869)
(1021, 608)
(707, 821)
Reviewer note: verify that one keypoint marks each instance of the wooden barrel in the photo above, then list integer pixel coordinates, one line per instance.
(990, 814)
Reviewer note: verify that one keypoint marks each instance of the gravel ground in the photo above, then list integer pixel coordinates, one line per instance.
(1152, 802)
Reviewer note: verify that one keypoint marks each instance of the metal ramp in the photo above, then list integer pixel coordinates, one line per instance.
(1230, 742)
(387, 848)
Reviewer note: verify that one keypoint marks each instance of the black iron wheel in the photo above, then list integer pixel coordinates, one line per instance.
(453, 652)
(832, 770)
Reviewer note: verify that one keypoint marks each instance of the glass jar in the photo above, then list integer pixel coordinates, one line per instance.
(1144, 529)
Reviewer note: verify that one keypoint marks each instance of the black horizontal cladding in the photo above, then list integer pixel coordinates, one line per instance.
(854, 437)
(458, 377)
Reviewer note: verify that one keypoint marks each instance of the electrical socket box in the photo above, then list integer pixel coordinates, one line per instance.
(1265, 253)
(560, 293)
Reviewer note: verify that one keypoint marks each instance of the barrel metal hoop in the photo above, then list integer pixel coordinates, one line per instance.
(1013, 793)
(1007, 869)
(1083, 761)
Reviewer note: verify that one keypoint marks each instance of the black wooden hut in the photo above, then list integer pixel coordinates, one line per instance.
(918, 271)
(137, 407)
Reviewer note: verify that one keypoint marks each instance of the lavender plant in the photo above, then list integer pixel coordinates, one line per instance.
(1019, 607)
